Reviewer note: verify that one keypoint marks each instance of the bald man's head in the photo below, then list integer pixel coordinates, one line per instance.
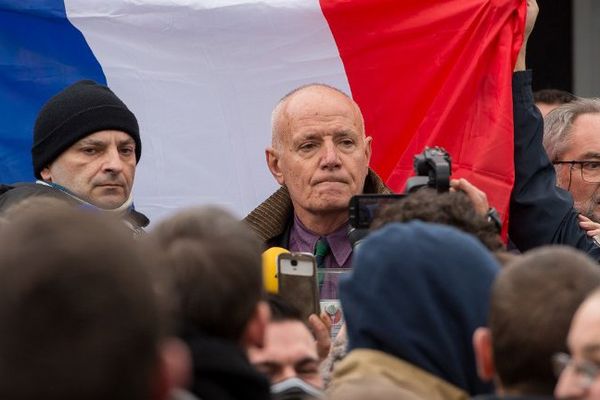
(320, 153)
(311, 93)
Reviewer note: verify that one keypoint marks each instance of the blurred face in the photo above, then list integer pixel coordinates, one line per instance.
(98, 168)
(289, 351)
(584, 146)
(321, 153)
(580, 379)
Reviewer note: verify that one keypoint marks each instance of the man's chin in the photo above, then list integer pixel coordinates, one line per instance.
(327, 204)
(108, 202)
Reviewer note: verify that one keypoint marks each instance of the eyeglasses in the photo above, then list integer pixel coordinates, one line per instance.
(585, 371)
(590, 170)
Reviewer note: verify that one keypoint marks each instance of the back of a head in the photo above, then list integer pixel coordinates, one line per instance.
(418, 291)
(533, 302)
(78, 315)
(450, 208)
(553, 96)
(216, 265)
(31, 204)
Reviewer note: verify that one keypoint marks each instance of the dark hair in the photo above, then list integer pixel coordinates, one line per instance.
(78, 315)
(532, 304)
(553, 96)
(281, 310)
(450, 208)
(216, 265)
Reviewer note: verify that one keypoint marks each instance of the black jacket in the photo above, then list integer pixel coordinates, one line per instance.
(540, 212)
(15, 193)
(222, 371)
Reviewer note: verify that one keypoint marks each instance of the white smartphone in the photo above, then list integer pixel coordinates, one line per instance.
(297, 275)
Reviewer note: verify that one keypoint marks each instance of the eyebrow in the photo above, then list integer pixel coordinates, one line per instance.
(95, 142)
(591, 349)
(270, 364)
(91, 142)
(306, 360)
(345, 132)
(590, 154)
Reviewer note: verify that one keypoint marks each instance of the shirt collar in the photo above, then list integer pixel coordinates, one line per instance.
(338, 241)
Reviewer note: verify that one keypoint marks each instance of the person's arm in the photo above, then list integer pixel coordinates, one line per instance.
(540, 212)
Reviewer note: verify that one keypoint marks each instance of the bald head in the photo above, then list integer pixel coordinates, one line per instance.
(305, 98)
(320, 154)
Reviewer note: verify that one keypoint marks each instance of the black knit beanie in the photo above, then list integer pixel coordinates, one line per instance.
(81, 109)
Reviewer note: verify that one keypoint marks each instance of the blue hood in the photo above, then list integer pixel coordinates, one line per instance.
(418, 291)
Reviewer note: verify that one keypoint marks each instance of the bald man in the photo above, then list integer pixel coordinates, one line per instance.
(320, 156)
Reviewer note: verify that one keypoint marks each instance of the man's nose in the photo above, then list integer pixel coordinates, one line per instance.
(569, 386)
(330, 157)
(112, 161)
(287, 372)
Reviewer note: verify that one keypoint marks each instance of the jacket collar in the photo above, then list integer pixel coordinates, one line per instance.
(272, 217)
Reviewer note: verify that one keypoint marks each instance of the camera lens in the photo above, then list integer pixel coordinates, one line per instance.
(294, 263)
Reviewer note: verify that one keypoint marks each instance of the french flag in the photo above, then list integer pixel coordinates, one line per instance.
(203, 76)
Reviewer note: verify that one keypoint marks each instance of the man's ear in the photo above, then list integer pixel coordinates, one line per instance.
(254, 334)
(46, 175)
(368, 141)
(482, 345)
(273, 164)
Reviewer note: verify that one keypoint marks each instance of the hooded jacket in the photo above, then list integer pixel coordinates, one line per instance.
(417, 292)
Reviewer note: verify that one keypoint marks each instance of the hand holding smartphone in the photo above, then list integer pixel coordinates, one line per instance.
(297, 275)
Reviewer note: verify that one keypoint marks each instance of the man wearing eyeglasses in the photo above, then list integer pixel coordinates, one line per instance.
(548, 205)
(572, 141)
(580, 371)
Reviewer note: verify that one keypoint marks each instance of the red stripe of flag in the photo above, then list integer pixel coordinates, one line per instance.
(434, 73)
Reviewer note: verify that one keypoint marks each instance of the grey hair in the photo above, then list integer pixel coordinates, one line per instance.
(558, 123)
(276, 115)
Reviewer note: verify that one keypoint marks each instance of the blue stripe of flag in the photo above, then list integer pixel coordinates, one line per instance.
(41, 52)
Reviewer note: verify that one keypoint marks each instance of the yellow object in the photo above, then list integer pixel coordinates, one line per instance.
(269, 264)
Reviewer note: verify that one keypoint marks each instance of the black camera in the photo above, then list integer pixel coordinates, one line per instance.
(432, 169)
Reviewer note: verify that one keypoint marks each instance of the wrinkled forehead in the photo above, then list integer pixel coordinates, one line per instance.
(322, 101)
(316, 103)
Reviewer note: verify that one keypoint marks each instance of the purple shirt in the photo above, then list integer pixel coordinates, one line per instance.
(304, 240)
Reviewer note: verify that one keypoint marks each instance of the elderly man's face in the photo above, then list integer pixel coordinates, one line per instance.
(322, 154)
(584, 146)
(289, 351)
(98, 168)
(581, 378)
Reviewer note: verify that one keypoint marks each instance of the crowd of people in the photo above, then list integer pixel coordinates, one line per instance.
(436, 306)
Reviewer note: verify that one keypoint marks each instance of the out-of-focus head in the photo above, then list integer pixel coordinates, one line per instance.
(290, 350)
(572, 142)
(33, 204)
(319, 149)
(580, 378)
(533, 301)
(547, 100)
(216, 265)
(450, 208)
(79, 317)
(87, 140)
(418, 291)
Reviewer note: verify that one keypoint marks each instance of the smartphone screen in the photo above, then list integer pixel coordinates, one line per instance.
(298, 282)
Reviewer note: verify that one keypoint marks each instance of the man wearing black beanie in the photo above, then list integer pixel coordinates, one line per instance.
(86, 145)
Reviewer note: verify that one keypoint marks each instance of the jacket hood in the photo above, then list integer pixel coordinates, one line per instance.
(418, 291)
